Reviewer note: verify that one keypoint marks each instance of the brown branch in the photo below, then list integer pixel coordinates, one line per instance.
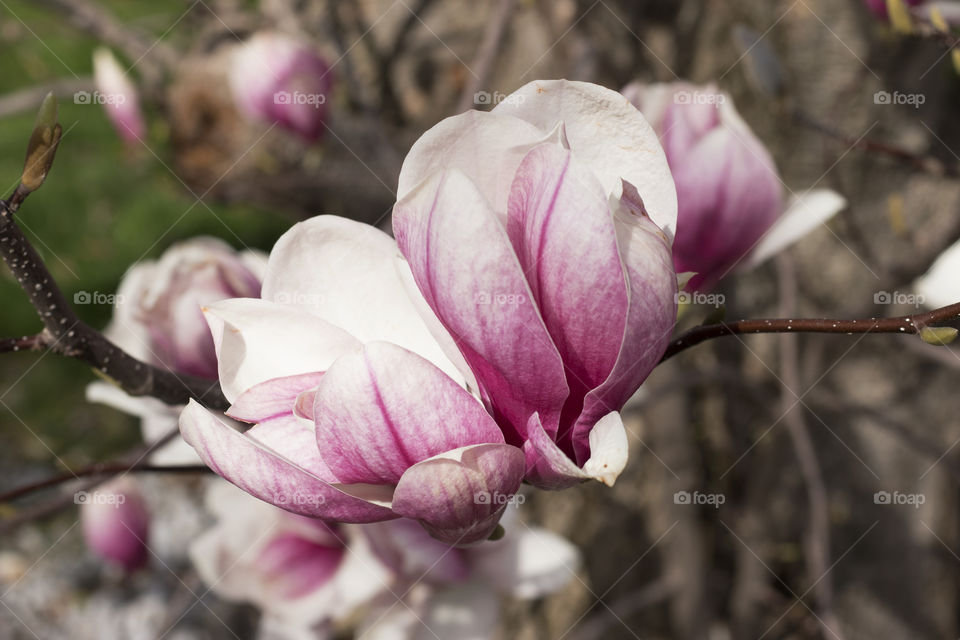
(911, 324)
(36, 342)
(66, 334)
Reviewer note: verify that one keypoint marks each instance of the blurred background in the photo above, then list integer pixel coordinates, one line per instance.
(796, 434)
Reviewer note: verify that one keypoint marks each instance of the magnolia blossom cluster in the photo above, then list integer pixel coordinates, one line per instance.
(528, 295)
(388, 580)
(731, 205)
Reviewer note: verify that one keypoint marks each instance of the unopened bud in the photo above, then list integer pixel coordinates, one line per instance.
(42, 146)
(939, 336)
(115, 522)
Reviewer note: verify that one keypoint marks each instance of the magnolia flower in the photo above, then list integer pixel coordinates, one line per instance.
(118, 96)
(305, 575)
(274, 78)
(157, 319)
(356, 418)
(940, 286)
(115, 520)
(731, 208)
(454, 593)
(532, 233)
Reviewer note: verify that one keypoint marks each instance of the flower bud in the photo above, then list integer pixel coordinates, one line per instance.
(115, 520)
(118, 96)
(42, 146)
(276, 79)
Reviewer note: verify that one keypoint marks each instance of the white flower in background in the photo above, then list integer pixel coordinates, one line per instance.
(157, 319)
(940, 286)
(118, 96)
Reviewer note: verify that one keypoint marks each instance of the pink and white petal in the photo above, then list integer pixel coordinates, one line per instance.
(385, 409)
(296, 566)
(561, 227)
(344, 272)
(267, 475)
(273, 398)
(529, 562)
(607, 134)
(806, 212)
(486, 146)
(652, 315)
(465, 266)
(547, 466)
(459, 496)
(257, 340)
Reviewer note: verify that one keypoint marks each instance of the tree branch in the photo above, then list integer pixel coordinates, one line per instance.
(66, 334)
(912, 324)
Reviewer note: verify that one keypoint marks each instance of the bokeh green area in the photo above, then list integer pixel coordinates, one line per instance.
(103, 207)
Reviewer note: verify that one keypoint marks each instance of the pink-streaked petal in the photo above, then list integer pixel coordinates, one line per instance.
(464, 265)
(296, 566)
(265, 474)
(562, 230)
(257, 340)
(486, 146)
(385, 409)
(547, 466)
(460, 495)
(293, 439)
(650, 321)
(806, 212)
(607, 134)
(273, 398)
(405, 547)
(303, 406)
(344, 272)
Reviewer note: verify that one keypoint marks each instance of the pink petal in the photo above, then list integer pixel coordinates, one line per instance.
(383, 410)
(273, 398)
(562, 229)
(266, 474)
(651, 317)
(607, 134)
(296, 566)
(464, 265)
(547, 466)
(459, 497)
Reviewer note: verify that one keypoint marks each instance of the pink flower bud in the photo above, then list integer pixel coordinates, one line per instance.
(160, 302)
(277, 79)
(115, 519)
(728, 190)
(118, 95)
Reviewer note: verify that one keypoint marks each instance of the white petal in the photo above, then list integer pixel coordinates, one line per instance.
(805, 213)
(941, 285)
(608, 134)
(257, 340)
(344, 272)
(528, 562)
(608, 449)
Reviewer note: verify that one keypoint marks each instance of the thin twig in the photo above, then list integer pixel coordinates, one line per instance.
(817, 541)
(36, 342)
(911, 324)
